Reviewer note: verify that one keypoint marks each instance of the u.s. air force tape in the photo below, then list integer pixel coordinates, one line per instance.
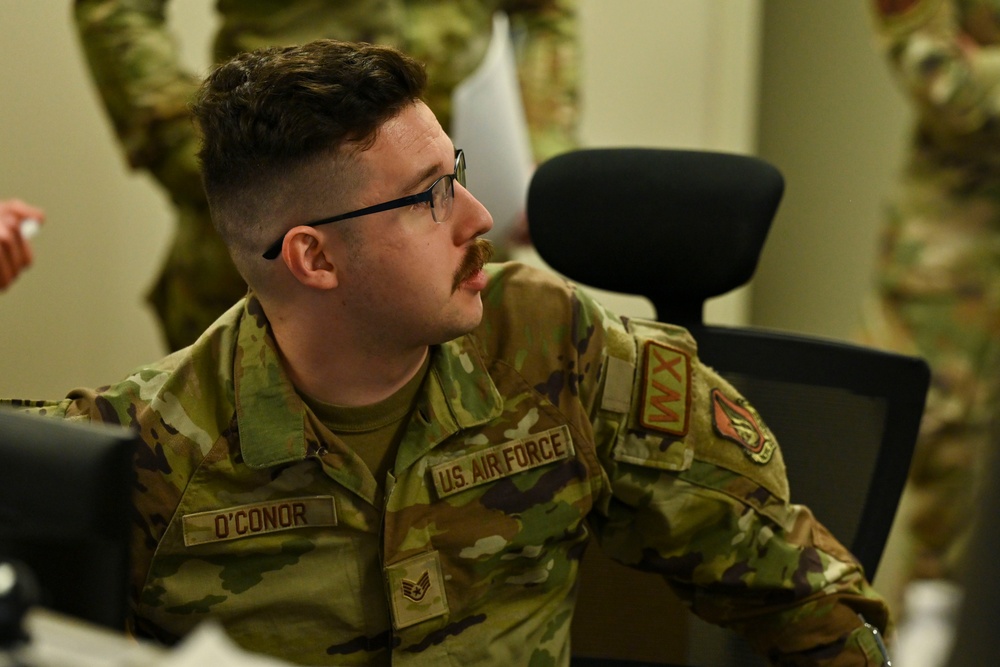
(503, 460)
(233, 523)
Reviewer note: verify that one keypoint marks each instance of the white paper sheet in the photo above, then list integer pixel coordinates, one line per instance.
(489, 125)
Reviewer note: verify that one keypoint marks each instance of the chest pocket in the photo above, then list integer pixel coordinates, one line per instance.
(508, 511)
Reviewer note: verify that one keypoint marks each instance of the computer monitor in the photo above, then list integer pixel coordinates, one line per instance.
(65, 511)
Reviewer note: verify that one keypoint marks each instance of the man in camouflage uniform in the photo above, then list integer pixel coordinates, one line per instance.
(134, 61)
(386, 453)
(938, 282)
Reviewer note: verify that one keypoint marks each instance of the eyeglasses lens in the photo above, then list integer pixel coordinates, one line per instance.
(443, 191)
(443, 195)
(460, 168)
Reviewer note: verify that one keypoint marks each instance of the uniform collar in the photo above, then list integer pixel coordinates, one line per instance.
(269, 412)
(272, 418)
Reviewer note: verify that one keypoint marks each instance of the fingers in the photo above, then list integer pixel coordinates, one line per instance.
(15, 251)
(21, 209)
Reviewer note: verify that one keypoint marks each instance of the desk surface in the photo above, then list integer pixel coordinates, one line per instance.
(61, 641)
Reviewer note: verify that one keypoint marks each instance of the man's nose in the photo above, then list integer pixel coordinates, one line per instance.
(471, 217)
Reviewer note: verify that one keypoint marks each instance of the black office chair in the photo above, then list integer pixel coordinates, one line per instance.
(680, 227)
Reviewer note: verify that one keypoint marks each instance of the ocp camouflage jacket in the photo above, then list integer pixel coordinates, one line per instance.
(551, 423)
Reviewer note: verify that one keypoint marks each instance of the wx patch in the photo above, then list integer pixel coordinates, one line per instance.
(739, 422)
(666, 389)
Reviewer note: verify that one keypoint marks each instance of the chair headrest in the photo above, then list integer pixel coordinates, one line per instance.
(678, 226)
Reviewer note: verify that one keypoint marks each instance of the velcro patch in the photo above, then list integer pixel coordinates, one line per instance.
(666, 389)
(502, 460)
(618, 386)
(233, 523)
(739, 422)
(416, 590)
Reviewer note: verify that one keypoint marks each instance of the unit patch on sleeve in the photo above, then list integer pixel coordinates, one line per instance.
(666, 389)
(739, 422)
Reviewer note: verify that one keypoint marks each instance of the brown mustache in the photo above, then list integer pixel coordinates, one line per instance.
(478, 254)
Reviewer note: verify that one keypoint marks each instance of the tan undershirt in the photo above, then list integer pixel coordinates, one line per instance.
(373, 431)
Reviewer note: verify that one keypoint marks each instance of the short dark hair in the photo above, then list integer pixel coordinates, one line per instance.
(266, 112)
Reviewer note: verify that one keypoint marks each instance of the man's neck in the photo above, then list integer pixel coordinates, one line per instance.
(342, 372)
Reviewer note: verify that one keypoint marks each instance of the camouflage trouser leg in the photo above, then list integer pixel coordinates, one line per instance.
(198, 281)
(955, 335)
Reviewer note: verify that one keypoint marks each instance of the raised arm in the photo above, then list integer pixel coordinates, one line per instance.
(133, 58)
(946, 60)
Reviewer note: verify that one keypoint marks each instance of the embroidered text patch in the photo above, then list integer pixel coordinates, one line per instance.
(502, 460)
(233, 523)
(666, 389)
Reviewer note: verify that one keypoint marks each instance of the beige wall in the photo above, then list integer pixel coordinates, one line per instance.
(77, 317)
(680, 73)
(834, 123)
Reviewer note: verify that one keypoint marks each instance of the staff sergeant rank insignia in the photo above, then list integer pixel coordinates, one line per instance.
(666, 389)
(416, 590)
(739, 422)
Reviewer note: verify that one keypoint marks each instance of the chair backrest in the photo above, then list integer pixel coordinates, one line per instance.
(691, 226)
(675, 226)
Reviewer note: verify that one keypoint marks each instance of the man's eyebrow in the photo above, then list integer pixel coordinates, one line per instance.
(425, 175)
(422, 178)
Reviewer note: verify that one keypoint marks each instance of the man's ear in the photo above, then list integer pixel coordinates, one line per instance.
(307, 255)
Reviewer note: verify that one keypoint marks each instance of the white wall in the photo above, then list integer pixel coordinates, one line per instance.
(656, 73)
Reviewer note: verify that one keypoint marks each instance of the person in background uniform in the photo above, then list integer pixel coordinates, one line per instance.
(937, 288)
(15, 250)
(134, 61)
(392, 451)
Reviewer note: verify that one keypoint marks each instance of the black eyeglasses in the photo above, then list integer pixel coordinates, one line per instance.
(441, 196)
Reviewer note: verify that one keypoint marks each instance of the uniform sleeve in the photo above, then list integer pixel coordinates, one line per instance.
(134, 62)
(937, 56)
(698, 493)
(78, 406)
(545, 35)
